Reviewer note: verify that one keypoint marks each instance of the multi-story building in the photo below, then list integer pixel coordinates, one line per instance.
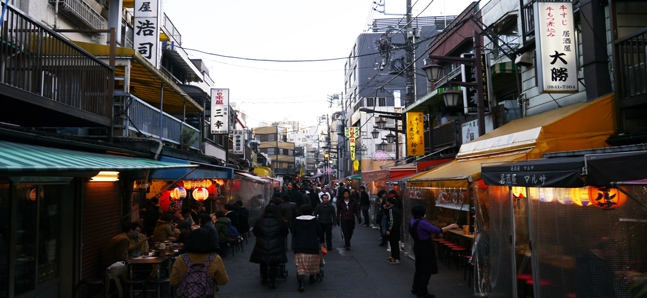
(82, 99)
(374, 80)
(306, 138)
(274, 144)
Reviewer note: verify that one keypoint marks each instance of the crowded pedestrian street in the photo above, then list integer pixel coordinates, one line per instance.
(359, 272)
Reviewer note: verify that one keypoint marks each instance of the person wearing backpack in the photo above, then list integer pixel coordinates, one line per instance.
(198, 272)
(423, 249)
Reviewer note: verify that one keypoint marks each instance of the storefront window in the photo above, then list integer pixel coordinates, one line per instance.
(37, 230)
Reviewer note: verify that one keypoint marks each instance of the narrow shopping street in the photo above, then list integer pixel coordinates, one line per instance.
(360, 272)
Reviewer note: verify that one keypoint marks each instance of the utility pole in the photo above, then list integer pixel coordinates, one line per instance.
(410, 73)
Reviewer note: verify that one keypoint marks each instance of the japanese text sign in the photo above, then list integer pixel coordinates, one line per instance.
(556, 58)
(470, 95)
(352, 133)
(415, 134)
(219, 111)
(239, 142)
(146, 29)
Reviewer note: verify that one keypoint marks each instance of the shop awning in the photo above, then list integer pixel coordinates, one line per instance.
(428, 164)
(204, 171)
(578, 126)
(378, 175)
(146, 80)
(590, 169)
(17, 158)
(250, 177)
(402, 171)
(357, 176)
(459, 173)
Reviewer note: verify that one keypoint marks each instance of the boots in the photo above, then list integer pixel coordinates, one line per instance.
(302, 279)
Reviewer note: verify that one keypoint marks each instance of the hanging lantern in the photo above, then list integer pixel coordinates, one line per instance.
(606, 198)
(518, 192)
(546, 195)
(206, 183)
(178, 193)
(200, 194)
(188, 184)
(220, 182)
(563, 196)
(32, 194)
(580, 196)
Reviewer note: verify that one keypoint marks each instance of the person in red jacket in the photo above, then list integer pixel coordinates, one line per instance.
(347, 209)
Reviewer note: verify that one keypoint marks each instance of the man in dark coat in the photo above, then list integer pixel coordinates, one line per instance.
(347, 210)
(230, 212)
(288, 209)
(243, 218)
(364, 204)
(269, 251)
(325, 213)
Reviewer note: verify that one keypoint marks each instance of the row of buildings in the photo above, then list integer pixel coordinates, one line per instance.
(528, 117)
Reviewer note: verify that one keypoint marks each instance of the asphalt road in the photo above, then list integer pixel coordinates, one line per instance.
(360, 272)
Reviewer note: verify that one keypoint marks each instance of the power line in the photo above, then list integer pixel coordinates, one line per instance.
(275, 60)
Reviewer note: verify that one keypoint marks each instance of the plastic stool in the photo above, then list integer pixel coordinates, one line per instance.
(87, 282)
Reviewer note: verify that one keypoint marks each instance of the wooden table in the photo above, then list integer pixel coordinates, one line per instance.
(156, 262)
(464, 240)
(461, 233)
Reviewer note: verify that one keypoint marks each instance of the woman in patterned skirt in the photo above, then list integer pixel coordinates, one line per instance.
(306, 232)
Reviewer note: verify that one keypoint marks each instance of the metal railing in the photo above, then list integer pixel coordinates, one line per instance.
(528, 22)
(146, 119)
(172, 30)
(81, 12)
(35, 59)
(631, 55)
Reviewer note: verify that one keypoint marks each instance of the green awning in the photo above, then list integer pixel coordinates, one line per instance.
(357, 176)
(22, 158)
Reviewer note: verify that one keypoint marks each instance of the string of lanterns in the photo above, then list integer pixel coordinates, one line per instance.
(200, 189)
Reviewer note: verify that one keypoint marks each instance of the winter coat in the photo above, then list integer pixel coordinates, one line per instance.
(347, 212)
(289, 211)
(243, 220)
(306, 231)
(325, 213)
(393, 222)
(270, 233)
(222, 226)
(163, 230)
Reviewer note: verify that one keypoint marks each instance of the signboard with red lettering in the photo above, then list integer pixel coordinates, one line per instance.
(219, 111)
(415, 134)
(352, 133)
(555, 35)
(146, 29)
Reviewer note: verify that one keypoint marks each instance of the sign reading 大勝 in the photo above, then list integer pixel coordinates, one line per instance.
(219, 111)
(556, 59)
(146, 29)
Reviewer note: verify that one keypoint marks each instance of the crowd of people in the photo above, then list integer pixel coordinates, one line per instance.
(307, 213)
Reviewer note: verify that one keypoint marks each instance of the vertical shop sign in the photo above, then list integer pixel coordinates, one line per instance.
(219, 111)
(352, 133)
(556, 59)
(239, 142)
(415, 134)
(146, 31)
(469, 75)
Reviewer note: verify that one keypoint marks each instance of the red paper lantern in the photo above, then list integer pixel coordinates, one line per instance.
(32, 194)
(606, 198)
(200, 194)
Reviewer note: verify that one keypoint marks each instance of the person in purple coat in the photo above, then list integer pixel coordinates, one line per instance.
(423, 249)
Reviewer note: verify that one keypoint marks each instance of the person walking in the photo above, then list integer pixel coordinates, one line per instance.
(347, 209)
(269, 251)
(200, 249)
(325, 213)
(364, 204)
(423, 250)
(306, 232)
(393, 228)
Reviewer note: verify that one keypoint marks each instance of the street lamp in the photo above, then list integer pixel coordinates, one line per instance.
(375, 133)
(390, 138)
(382, 146)
(381, 123)
(451, 97)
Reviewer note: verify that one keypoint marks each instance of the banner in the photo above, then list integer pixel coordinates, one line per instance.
(146, 31)
(415, 134)
(219, 111)
(239, 142)
(555, 36)
(352, 133)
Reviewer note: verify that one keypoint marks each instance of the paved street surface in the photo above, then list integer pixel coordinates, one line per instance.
(360, 272)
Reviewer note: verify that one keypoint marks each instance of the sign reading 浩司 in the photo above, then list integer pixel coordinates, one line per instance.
(556, 59)
(219, 111)
(146, 29)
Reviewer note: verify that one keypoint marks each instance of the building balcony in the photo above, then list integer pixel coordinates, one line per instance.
(47, 80)
(142, 118)
(80, 13)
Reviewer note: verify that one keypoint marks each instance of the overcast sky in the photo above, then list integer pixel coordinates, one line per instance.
(282, 30)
